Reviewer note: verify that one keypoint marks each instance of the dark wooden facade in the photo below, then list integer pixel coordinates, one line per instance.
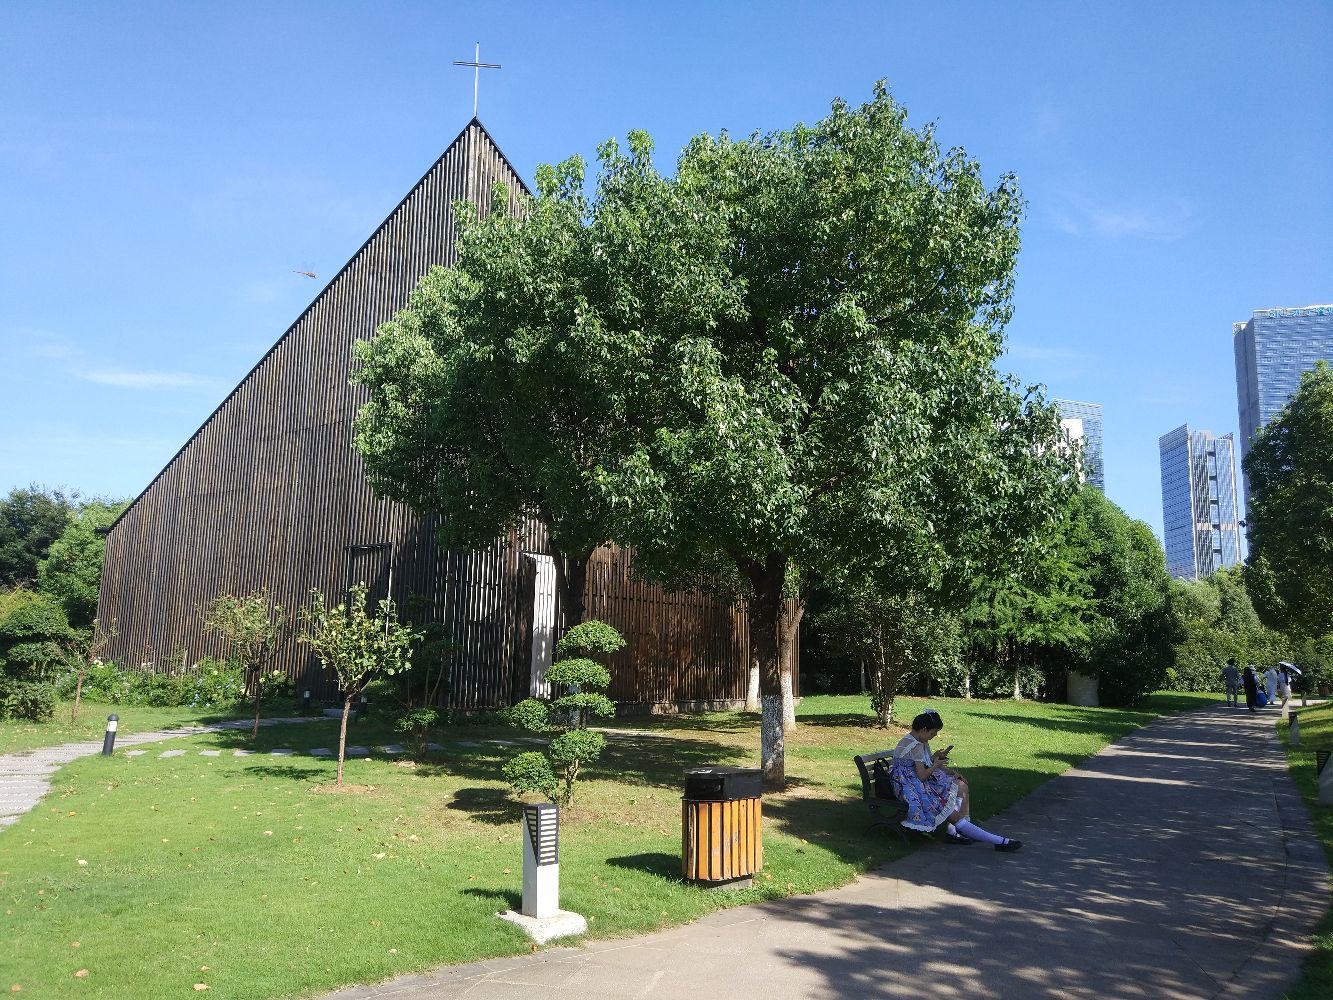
(269, 492)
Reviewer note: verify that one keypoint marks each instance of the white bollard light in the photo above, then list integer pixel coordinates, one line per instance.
(1294, 733)
(541, 860)
(541, 916)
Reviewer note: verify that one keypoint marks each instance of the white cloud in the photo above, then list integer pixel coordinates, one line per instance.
(129, 379)
(41, 343)
(1161, 219)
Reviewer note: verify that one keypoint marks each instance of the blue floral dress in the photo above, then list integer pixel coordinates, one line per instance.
(929, 802)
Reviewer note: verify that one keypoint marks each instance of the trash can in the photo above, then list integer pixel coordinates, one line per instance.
(721, 826)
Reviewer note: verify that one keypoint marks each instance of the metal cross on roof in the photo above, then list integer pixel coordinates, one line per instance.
(477, 66)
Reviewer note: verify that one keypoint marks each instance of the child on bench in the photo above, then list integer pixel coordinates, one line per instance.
(933, 792)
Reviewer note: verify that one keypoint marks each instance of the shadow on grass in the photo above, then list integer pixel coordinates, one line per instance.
(493, 806)
(511, 900)
(288, 771)
(665, 866)
(839, 720)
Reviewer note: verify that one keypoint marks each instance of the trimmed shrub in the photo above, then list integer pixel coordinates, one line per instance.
(33, 639)
(32, 701)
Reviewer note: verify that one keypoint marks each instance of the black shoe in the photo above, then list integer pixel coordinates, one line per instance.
(953, 838)
(1009, 846)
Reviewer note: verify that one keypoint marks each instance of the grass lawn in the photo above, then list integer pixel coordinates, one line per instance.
(18, 735)
(1316, 734)
(244, 873)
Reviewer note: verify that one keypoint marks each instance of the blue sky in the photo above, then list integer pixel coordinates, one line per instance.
(166, 169)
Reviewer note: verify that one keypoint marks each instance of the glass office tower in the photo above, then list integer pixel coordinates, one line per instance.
(1274, 347)
(1200, 526)
(1072, 413)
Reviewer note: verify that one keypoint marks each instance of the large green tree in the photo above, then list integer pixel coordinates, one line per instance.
(837, 415)
(1290, 469)
(779, 361)
(498, 392)
(1130, 630)
(30, 520)
(72, 568)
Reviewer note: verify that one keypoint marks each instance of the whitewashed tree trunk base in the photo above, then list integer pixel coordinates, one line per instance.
(752, 691)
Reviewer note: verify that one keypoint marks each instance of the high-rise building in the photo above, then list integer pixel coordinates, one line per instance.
(1274, 347)
(1083, 422)
(1200, 525)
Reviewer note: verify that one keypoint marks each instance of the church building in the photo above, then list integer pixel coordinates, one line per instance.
(270, 493)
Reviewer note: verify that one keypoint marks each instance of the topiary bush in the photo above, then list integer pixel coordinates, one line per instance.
(578, 683)
(416, 725)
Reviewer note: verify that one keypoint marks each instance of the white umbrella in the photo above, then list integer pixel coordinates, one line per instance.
(1290, 666)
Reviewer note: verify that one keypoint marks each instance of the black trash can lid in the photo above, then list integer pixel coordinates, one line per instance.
(720, 771)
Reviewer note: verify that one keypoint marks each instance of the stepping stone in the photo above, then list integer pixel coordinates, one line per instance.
(241, 753)
(171, 753)
(135, 753)
(321, 752)
(358, 752)
(281, 753)
(394, 748)
(209, 753)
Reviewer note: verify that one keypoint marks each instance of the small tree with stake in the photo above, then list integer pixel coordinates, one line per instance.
(88, 651)
(252, 627)
(574, 746)
(356, 646)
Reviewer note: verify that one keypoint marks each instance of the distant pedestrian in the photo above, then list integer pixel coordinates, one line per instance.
(1270, 684)
(1231, 682)
(1284, 686)
(1251, 683)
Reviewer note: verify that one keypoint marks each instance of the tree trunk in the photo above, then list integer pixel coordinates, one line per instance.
(967, 682)
(78, 693)
(886, 705)
(571, 577)
(342, 736)
(752, 688)
(765, 610)
(1009, 655)
(791, 619)
(259, 690)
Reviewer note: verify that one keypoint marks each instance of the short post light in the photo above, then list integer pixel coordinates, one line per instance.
(305, 703)
(1325, 774)
(541, 916)
(1294, 733)
(109, 740)
(541, 860)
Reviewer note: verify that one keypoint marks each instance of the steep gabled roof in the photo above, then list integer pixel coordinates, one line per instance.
(474, 141)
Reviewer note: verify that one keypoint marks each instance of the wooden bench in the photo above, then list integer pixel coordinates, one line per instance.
(887, 812)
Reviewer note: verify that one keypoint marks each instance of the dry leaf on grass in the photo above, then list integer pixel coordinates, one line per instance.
(200, 987)
(81, 974)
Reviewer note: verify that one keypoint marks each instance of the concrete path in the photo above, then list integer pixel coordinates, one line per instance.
(1178, 863)
(25, 776)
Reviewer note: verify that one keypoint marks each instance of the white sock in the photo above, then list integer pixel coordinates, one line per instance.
(953, 830)
(973, 832)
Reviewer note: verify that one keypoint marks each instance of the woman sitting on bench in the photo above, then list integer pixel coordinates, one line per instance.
(933, 792)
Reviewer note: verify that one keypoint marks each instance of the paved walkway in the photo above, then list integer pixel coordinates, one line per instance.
(25, 776)
(1178, 863)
